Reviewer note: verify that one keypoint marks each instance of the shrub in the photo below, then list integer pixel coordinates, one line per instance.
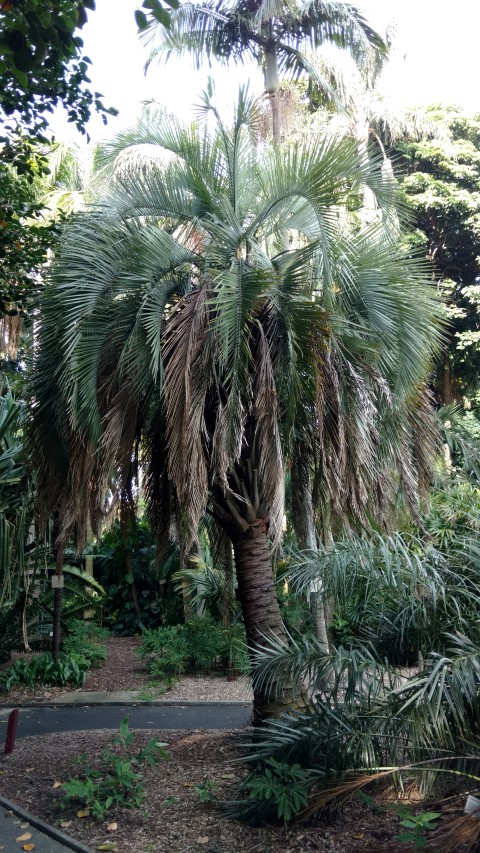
(83, 642)
(200, 644)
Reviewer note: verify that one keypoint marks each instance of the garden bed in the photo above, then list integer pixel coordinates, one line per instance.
(174, 818)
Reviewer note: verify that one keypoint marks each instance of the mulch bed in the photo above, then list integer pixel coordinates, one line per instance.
(173, 818)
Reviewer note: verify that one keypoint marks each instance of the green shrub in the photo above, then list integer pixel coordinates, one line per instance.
(83, 643)
(43, 670)
(200, 644)
(117, 781)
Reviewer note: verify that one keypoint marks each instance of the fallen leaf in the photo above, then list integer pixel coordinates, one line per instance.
(112, 827)
(361, 835)
(57, 785)
(29, 769)
(109, 845)
(83, 813)
(188, 785)
(204, 839)
(65, 824)
(28, 846)
(24, 837)
(24, 825)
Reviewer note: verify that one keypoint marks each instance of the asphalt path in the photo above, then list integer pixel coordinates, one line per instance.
(41, 720)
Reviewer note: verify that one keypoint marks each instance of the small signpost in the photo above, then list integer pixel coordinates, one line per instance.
(11, 731)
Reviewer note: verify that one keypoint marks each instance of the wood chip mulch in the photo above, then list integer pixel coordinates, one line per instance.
(173, 818)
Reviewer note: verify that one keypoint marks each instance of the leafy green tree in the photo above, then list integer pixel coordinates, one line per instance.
(442, 186)
(272, 34)
(42, 63)
(26, 237)
(175, 317)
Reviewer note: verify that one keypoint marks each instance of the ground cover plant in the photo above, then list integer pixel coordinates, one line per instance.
(82, 651)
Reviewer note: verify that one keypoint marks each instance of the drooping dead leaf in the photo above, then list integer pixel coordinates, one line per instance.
(83, 813)
(24, 837)
(112, 827)
(57, 785)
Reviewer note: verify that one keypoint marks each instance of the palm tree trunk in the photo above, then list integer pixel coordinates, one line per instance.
(271, 87)
(57, 602)
(304, 524)
(260, 608)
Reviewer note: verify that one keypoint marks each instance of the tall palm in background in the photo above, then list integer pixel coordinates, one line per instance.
(270, 32)
(175, 322)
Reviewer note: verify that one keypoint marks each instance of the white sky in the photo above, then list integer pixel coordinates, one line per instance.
(436, 60)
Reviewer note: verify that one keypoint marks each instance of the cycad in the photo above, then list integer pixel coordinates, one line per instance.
(174, 317)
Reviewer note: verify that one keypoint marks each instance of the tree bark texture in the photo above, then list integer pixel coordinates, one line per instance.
(260, 609)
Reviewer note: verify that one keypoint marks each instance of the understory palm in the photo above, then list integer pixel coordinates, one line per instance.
(177, 332)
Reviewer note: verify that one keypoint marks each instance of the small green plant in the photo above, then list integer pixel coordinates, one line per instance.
(416, 825)
(278, 792)
(207, 790)
(117, 781)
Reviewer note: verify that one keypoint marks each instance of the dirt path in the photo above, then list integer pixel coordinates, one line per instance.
(122, 670)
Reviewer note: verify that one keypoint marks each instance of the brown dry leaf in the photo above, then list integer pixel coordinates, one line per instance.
(204, 839)
(65, 824)
(361, 835)
(28, 846)
(188, 785)
(83, 813)
(57, 785)
(24, 837)
(112, 827)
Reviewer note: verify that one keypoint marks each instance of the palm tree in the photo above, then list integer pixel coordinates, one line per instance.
(271, 32)
(174, 319)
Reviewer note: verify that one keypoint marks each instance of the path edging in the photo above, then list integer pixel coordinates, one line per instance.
(57, 835)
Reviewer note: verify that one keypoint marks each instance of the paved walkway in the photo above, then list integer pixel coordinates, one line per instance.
(18, 827)
(41, 720)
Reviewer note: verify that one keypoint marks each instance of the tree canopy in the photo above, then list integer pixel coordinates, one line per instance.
(442, 185)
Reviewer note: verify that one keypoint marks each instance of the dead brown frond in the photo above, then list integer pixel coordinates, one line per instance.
(185, 390)
(461, 835)
(322, 799)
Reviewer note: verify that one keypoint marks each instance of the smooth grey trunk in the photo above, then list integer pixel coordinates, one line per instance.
(304, 519)
(272, 82)
(57, 602)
